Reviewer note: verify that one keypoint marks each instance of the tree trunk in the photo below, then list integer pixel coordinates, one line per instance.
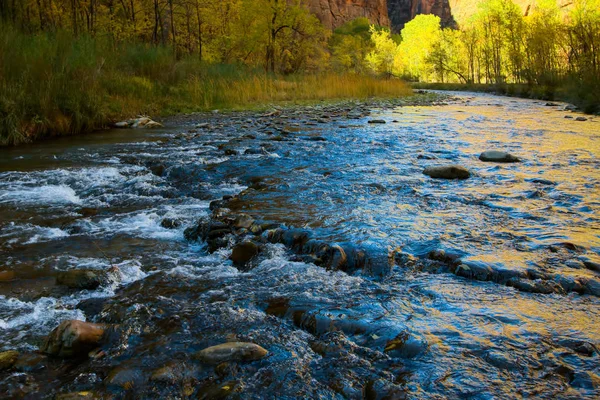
(173, 28)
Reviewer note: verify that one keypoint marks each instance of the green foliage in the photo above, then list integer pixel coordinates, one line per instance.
(418, 39)
(384, 56)
(349, 46)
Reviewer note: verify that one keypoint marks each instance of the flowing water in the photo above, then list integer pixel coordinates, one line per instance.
(519, 318)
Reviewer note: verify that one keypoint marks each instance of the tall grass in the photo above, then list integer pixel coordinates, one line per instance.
(55, 84)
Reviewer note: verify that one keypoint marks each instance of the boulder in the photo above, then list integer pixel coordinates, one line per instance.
(377, 121)
(498, 156)
(8, 359)
(230, 352)
(244, 252)
(73, 338)
(581, 119)
(447, 172)
(81, 278)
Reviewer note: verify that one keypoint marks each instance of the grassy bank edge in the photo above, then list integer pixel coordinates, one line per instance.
(565, 93)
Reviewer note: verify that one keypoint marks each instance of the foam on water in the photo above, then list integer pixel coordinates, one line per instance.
(42, 315)
(43, 195)
(30, 233)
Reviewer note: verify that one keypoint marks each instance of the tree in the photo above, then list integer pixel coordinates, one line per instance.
(384, 57)
(418, 39)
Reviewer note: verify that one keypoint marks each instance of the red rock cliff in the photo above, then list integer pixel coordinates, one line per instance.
(334, 13)
(402, 11)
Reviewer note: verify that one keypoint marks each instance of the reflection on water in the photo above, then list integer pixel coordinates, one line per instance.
(125, 198)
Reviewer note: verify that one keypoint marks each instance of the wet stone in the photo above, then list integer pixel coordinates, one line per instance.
(8, 359)
(170, 373)
(243, 221)
(125, 378)
(83, 395)
(447, 172)
(498, 156)
(578, 346)
(82, 278)
(170, 223)
(230, 352)
(218, 391)
(92, 307)
(30, 362)
(244, 252)
(73, 339)
(406, 345)
(7, 276)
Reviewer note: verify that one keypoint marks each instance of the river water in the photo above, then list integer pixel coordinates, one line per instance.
(519, 318)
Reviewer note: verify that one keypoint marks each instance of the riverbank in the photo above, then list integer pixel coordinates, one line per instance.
(585, 98)
(57, 85)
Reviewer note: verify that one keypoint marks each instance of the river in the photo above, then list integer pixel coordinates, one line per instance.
(481, 288)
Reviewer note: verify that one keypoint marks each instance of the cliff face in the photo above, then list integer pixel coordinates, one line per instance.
(402, 11)
(334, 13)
(396, 13)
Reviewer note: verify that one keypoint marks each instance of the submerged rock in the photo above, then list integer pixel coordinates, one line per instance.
(73, 339)
(7, 276)
(406, 345)
(377, 121)
(30, 362)
(125, 378)
(232, 351)
(77, 396)
(8, 359)
(82, 278)
(498, 156)
(447, 172)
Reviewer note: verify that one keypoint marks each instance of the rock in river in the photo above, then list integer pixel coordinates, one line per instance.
(244, 252)
(233, 351)
(447, 172)
(139, 122)
(81, 278)
(73, 339)
(498, 156)
(8, 359)
(7, 276)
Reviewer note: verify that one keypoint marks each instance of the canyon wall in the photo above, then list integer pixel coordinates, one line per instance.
(334, 13)
(396, 13)
(402, 11)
